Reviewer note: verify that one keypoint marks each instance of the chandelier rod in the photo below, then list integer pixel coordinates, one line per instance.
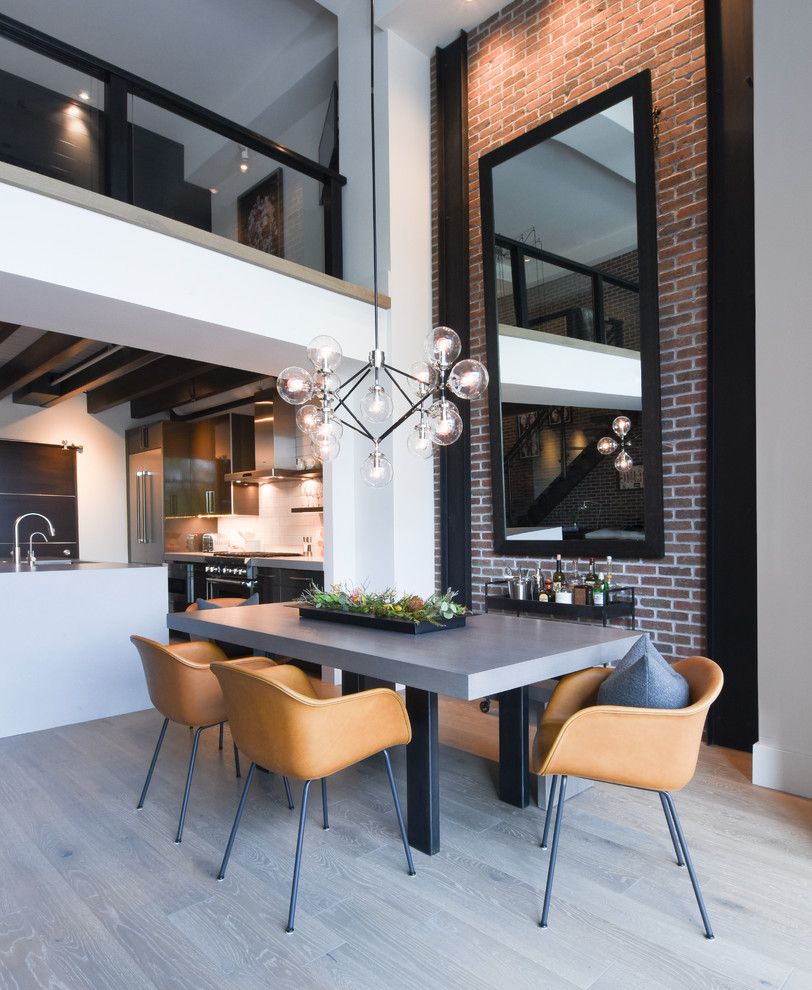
(374, 196)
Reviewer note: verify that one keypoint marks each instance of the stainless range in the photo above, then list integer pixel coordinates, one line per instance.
(229, 575)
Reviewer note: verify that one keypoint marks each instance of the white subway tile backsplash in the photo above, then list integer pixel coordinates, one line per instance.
(276, 527)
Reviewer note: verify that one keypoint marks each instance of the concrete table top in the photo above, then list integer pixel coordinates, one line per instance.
(493, 653)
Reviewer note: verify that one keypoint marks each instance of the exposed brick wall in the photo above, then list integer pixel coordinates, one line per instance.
(528, 63)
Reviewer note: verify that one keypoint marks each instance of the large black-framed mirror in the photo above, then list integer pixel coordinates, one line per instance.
(570, 277)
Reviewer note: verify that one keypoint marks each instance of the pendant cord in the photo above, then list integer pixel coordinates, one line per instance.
(374, 197)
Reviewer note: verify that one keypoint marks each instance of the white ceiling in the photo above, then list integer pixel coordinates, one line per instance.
(427, 24)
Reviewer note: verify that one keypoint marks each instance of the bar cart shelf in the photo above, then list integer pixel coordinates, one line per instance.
(622, 605)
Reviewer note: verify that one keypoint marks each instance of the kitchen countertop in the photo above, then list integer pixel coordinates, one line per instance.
(42, 567)
(294, 563)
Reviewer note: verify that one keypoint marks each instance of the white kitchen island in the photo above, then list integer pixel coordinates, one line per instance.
(66, 653)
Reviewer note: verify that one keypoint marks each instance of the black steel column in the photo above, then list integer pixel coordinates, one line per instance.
(454, 291)
(117, 142)
(731, 372)
(514, 747)
(423, 772)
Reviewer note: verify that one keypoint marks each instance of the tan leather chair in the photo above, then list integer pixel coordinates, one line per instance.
(650, 748)
(280, 723)
(184, 690)
(221, 602)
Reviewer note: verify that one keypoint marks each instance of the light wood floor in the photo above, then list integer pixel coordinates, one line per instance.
(95, 895)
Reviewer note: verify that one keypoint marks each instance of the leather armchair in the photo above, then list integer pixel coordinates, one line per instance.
(278, 720)
(647, 748)
(183, 689)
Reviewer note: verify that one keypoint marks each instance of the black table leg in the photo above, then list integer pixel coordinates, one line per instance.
(514, 748)
(423, 772)
(350, 683)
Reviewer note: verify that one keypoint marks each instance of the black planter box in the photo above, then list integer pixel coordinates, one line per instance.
(378, 622)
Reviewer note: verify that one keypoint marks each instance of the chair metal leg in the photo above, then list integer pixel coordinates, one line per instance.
(288, 795)
(152, 765)
(674, 839)
(236, 761)
(325, 820)
(294, 892)
(237, 817)
(222, 724)
(549, 816)
(688, 862)
(188, 787)
(399, 813)
(554, 852)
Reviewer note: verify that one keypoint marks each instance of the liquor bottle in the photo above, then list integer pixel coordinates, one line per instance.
(558, 574)
(598, 593)
(609, 575)
(591, 577)
(538, 584)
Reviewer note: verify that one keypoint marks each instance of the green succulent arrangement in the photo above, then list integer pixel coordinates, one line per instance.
(386, 604)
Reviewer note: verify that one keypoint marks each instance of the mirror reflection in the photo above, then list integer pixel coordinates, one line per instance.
(568, 305)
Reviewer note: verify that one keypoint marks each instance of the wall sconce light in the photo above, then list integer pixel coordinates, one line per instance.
(244, 164)
(621, 425)
(72, 446)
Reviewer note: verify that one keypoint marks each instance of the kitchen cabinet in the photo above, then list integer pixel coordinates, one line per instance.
(284, 584)
(141, 438)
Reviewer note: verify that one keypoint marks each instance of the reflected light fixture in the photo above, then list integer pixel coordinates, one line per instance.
(621, 426)
(323, 397)
(244, 163)
(84, 95)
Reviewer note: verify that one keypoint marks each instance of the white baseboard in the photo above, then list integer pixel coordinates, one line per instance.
(782, 770)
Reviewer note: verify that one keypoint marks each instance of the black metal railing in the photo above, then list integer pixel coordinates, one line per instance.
(113, 129)
(604, 328)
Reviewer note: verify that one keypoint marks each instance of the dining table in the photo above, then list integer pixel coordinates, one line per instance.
(492, 656)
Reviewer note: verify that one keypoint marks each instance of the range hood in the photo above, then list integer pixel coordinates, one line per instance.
(274, 445)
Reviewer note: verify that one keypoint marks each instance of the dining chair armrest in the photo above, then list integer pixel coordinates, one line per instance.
(200, 653)
(574, 692)
(254, 663)
(656, 749)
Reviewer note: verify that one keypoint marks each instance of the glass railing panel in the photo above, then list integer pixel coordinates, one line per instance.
(190, 173)
(51, 117)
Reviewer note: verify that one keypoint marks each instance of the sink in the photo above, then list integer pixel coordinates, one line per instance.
(56, 562)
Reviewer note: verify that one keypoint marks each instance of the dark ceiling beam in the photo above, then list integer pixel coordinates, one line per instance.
(165, 372)
(203, 385)
(50, 389)
(45, 354)
(7, 330)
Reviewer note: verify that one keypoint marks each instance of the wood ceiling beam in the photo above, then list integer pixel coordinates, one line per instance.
(160, 374)
(7, 330)
(45, 391)
(202, 385)
(45, 354)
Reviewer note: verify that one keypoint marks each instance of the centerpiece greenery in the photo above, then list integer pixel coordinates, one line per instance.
(386, 604)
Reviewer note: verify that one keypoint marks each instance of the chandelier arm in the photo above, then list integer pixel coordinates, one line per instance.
(417, 405)
(342, 399)
(391, 367)
(364, 433)
(363, 429)
(358, 374)
(397, 385)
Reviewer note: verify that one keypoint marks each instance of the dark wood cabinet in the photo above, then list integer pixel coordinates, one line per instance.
(284, 584)
(141, 438)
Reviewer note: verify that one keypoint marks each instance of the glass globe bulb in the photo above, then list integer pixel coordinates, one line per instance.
(442, 346)
(445, 423)
(326, 450)
(326, 382)
(468, 379)
(308, 417)
(623, 462)
(328, 427)
(294, 385)
(607, 445)
(377, 471)
(376, 405)
(325, 353)
(419, 441)
(427, 378)
(621, 425)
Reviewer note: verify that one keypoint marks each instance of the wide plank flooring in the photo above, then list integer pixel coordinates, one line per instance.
(94, 894)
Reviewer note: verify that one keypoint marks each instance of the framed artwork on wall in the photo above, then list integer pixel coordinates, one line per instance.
(632, 479)
(260, 221)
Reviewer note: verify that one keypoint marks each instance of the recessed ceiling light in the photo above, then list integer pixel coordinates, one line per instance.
(244, 166)
(84, 95)
(213, 190)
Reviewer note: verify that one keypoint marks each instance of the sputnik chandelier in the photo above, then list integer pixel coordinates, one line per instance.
(608, 445)
(322, 396)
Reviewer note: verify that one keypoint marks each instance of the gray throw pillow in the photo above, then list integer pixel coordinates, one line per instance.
(202, 603)
(644, 680)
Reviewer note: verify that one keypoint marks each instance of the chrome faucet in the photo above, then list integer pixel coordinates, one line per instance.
(31, 558)
(17, 521)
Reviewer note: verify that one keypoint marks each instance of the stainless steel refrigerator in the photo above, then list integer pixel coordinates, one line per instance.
(145, 481)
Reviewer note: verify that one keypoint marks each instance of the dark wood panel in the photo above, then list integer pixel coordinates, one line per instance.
(453, 301)
(60, 509)
(36, 468)
(732, 550)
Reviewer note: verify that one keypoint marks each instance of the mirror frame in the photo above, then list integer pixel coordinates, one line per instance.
(638, 87)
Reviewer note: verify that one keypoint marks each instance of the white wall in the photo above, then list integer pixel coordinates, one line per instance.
(782, 758)
(101, 471)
